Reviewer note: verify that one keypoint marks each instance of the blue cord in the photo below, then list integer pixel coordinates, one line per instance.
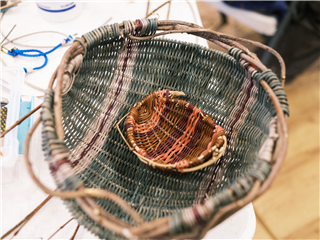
(25, 53)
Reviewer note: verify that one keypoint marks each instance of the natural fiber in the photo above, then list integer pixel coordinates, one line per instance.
(115, 194)
(173, 135)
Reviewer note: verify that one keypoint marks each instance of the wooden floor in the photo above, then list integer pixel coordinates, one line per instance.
(290, 208)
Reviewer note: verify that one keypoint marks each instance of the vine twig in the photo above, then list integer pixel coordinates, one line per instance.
(148, 15)
(26, 219)
(60, 229)
(75, 232)
(20, 121)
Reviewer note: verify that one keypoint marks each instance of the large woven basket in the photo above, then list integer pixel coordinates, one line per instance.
(105, 186)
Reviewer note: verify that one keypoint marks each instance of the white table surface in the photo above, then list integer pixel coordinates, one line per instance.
(19, 198)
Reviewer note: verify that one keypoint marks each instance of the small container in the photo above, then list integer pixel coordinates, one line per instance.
(12, 79)
(15, 179)
(58, 11)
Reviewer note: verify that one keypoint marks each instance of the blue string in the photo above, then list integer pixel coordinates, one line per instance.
(25, 53)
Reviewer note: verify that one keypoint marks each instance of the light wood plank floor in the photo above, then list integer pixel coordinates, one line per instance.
(290, 208)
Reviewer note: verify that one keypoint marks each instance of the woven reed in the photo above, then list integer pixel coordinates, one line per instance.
(105, 186)
(173, 135)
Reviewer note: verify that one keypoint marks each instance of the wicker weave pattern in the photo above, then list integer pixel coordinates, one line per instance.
(113, 99)
(118, 72)
(199, 83)
(166, 130)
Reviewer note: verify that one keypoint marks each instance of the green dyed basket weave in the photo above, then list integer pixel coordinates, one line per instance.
(104, 74)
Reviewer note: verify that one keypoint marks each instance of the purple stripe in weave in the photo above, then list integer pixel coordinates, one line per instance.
(242, 110)
(164, 146)
(167, 95)
(139, 25)
(198, 217)
(54, 167)
(129, 125)
(107, 114)
(230, 133)
(191, 144)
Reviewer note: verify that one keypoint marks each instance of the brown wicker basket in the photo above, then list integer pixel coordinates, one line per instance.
(100, 78)
(173, 135)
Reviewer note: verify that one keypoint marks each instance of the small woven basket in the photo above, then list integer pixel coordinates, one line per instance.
(105, 185)
(173, 135)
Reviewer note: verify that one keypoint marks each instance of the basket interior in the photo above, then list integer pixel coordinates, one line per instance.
(168, 130)
(113, 77)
